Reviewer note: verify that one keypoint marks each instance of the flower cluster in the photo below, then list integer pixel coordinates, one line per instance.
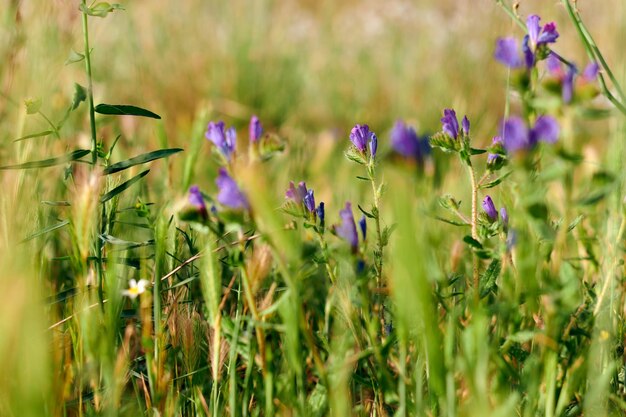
(533, 46)
(562, 79)
(224, 139)
(516, 135)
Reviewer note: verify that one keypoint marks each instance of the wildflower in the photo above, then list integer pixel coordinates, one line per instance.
(135, 288)
(229, 193)
(517, 136)
(404, 140)
(490, 208)
(565, 78)
(298, 194)
(363, 227)
(321, 213)
(255, 129)
(224, 140)
(347, 228)
(195, 198)
(539, 36)
(361, 137)
(465, 124)
(591, 72)
(533, 45)
(450, 124)
(309, 201)
(504, 215)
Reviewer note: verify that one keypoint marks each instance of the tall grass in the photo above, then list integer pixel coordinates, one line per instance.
(268, 310)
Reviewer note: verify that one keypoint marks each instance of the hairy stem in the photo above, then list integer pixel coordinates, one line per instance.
(475, 260)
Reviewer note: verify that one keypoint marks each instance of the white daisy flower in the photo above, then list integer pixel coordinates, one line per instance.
(136, 288)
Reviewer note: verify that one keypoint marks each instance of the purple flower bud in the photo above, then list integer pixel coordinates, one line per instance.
(466, 125)
(195, 198)
(363, 227)
(360, 136)
(591, 72)
(549, 34)
(567, 86)
(347, 228)
(229, 193)
(529, 55)
(309, 201)
(321, 214)
(490, 208)
(224, 140)
(504, 215)
(373, 144)
(450, 124)
(554, 65)
(255, 129)
(507, 52)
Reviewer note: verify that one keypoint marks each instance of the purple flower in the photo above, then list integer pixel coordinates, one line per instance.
(229, 193)
(495, 142)
(225, 140)
(347, 228)
(195, 198)
(465, 124)
(538, 36)
(507, 52)
(373, 144)
(516, 135)
(361, 137)
(591, 72)
(490, 208)
(255, 129)
(566, 78)
(363, 226)
(404, 140)
(450, 124)
(504, 215)
(321, 214)
(309, 201)
(298, 194)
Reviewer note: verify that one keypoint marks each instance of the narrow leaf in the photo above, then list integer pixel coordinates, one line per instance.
(472, 242)
(46, 230)
(141, 159)
(124, 110)
(74, 57)
(34, 135)
(123, 187)
(73, 156)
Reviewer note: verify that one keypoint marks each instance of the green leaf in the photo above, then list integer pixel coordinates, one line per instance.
(475, 151)
(575, 223)
(34, 135)
(72, 156)
(495, 182)
(488, 280)
(472, 242)
(124, 110)
(367, 214)
(141, 159)
(74, 57)
(452, 222)
(538, 211)
(32, 105)
(80, 95)
(123, 187)
(46, 230)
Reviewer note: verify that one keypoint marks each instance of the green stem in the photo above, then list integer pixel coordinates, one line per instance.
(92, 113)
(378, 257)
(475, 261)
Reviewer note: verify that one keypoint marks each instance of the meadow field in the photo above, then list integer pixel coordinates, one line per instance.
(312, 208)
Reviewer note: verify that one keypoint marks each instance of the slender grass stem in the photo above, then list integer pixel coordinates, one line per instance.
(92, 113)
(474, 223)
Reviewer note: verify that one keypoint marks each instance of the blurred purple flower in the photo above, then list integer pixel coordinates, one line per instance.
(255, 129)
(309, 201)
(404, 140)
(225, 140)
(490, 208)
(591, 72)
(492, 158)
(504, 215)
(347, 228)
(361, 136)
(195, 198)
(363, 226)
(516, 135)
(507, 52)
(298, 194)
(229, 193)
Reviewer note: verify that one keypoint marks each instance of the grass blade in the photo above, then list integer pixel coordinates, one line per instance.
(141, 159)
(123, 187)
(59, 160)
(46, 230)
